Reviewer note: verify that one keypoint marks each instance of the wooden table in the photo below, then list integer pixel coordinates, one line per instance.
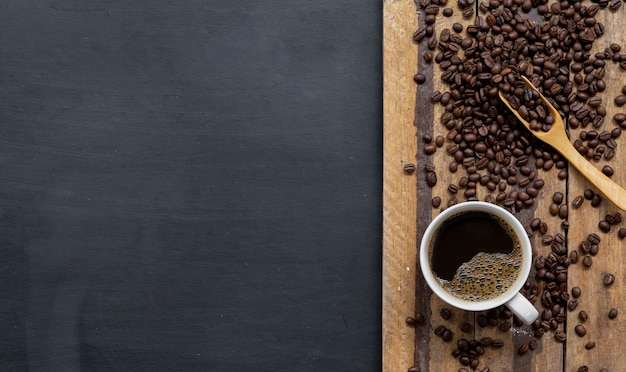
(407, 210)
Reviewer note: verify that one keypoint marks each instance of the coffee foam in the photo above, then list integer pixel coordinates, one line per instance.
(485, 276)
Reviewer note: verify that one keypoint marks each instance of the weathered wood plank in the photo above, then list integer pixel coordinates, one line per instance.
(399, 191)
(596, 298)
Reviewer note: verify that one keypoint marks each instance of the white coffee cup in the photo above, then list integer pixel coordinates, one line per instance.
(511, 297)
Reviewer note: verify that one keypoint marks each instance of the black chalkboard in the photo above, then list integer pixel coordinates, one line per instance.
(190, 185)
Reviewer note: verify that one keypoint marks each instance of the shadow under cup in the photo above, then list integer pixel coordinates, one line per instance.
(470, 287)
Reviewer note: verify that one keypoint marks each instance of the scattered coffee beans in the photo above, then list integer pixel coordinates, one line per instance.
(609, 279)
(560, 336)
(612, 313)
(577, 202)
(604, 226)
(419, 78)
(523, 349)
(436, 201)
(445, 313)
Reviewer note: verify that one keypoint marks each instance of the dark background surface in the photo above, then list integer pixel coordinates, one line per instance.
(190, 185)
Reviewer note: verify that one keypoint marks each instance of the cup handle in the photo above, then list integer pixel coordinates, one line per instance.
(521, 307)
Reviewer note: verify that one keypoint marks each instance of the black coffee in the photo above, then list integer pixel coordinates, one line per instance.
(476, 256)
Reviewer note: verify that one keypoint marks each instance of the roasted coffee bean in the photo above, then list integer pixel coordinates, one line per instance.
(610, 219)
(618, 217)
(411, 321)
(590, 345)
(419, 78)
(431, 179)
(409, 168)
(580, 330)
(447, 335)
(583, 368)
(465, 360)
(436, 202)
(445, 313)
(621, 233)
(582, 315)
(585, 247)
(587, 261)
(482, 320)
(554, 209)
(563, 211)
(439, 141)
(604, 226)
(593, 238)
(576, 292)
(439, 330)
(560, 336)
(523, 349)
(462, 345)
(485, 341)
(608, 170)
(620, 100)
(572, 304)
(534, 224)
(430, 148)
(577, 202)
(497, 343)
(573, 256)
(532, 344)
(466, 327)
(557, 198)
(588, 194)
(608, 279)
(428, 56)
(414, 369)
(612, 313)
(448, 12)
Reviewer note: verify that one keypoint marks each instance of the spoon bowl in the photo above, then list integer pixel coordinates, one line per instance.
(557, 138)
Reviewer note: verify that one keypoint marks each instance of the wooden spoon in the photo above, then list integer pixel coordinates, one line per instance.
(557, 138)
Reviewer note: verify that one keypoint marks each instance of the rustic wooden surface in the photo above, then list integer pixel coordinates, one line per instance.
(400, 201)
(408, 115)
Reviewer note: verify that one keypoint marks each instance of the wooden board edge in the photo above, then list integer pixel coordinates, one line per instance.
(399, 189)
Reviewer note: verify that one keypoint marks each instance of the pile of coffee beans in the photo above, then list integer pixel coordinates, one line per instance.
(494, 158)
(487, 146)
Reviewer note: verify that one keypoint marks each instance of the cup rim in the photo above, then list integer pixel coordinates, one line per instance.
(515, 224)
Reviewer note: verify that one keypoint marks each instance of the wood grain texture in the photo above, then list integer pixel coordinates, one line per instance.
(431, 353)
(399, 191)
(596, 298)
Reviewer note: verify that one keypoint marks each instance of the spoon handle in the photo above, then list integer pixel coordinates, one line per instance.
(604, 184)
